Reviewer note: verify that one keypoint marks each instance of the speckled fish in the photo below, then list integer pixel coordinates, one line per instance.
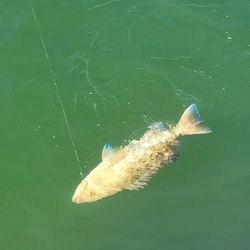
(132, 166)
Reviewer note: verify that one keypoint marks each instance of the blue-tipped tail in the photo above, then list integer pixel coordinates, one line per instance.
(191, 123)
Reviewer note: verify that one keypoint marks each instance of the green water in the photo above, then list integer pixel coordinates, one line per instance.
(119, 65)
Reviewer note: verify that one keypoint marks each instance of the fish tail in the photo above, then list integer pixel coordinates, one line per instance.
(191, 123)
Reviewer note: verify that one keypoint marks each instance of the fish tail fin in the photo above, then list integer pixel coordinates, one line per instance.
(191, 123)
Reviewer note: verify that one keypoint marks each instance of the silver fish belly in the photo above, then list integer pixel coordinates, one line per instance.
(133, 166)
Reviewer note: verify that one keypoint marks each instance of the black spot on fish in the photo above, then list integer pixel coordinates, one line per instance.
(92, 193)
(136, 177)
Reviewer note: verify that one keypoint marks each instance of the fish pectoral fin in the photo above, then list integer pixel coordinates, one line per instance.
(107, 151)
(141, 181)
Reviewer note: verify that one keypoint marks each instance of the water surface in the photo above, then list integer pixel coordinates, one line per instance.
(120, 65)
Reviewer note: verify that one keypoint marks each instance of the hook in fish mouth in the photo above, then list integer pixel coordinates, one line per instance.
(79, 193)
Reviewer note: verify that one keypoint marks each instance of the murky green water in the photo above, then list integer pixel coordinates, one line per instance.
(119, 65)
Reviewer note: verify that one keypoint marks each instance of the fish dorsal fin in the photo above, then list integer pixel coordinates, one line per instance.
(107, 151)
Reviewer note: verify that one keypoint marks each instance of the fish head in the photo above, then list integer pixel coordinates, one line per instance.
(85, 193)
(79, 196)
(101, 181)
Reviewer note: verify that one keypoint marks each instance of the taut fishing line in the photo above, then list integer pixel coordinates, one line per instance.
(56, 87)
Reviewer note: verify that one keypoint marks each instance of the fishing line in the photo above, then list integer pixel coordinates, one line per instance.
(56, 87)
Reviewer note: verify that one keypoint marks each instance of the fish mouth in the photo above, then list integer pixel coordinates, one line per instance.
(78, 196)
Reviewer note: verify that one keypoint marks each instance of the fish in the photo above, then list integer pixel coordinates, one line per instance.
(131, 167)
